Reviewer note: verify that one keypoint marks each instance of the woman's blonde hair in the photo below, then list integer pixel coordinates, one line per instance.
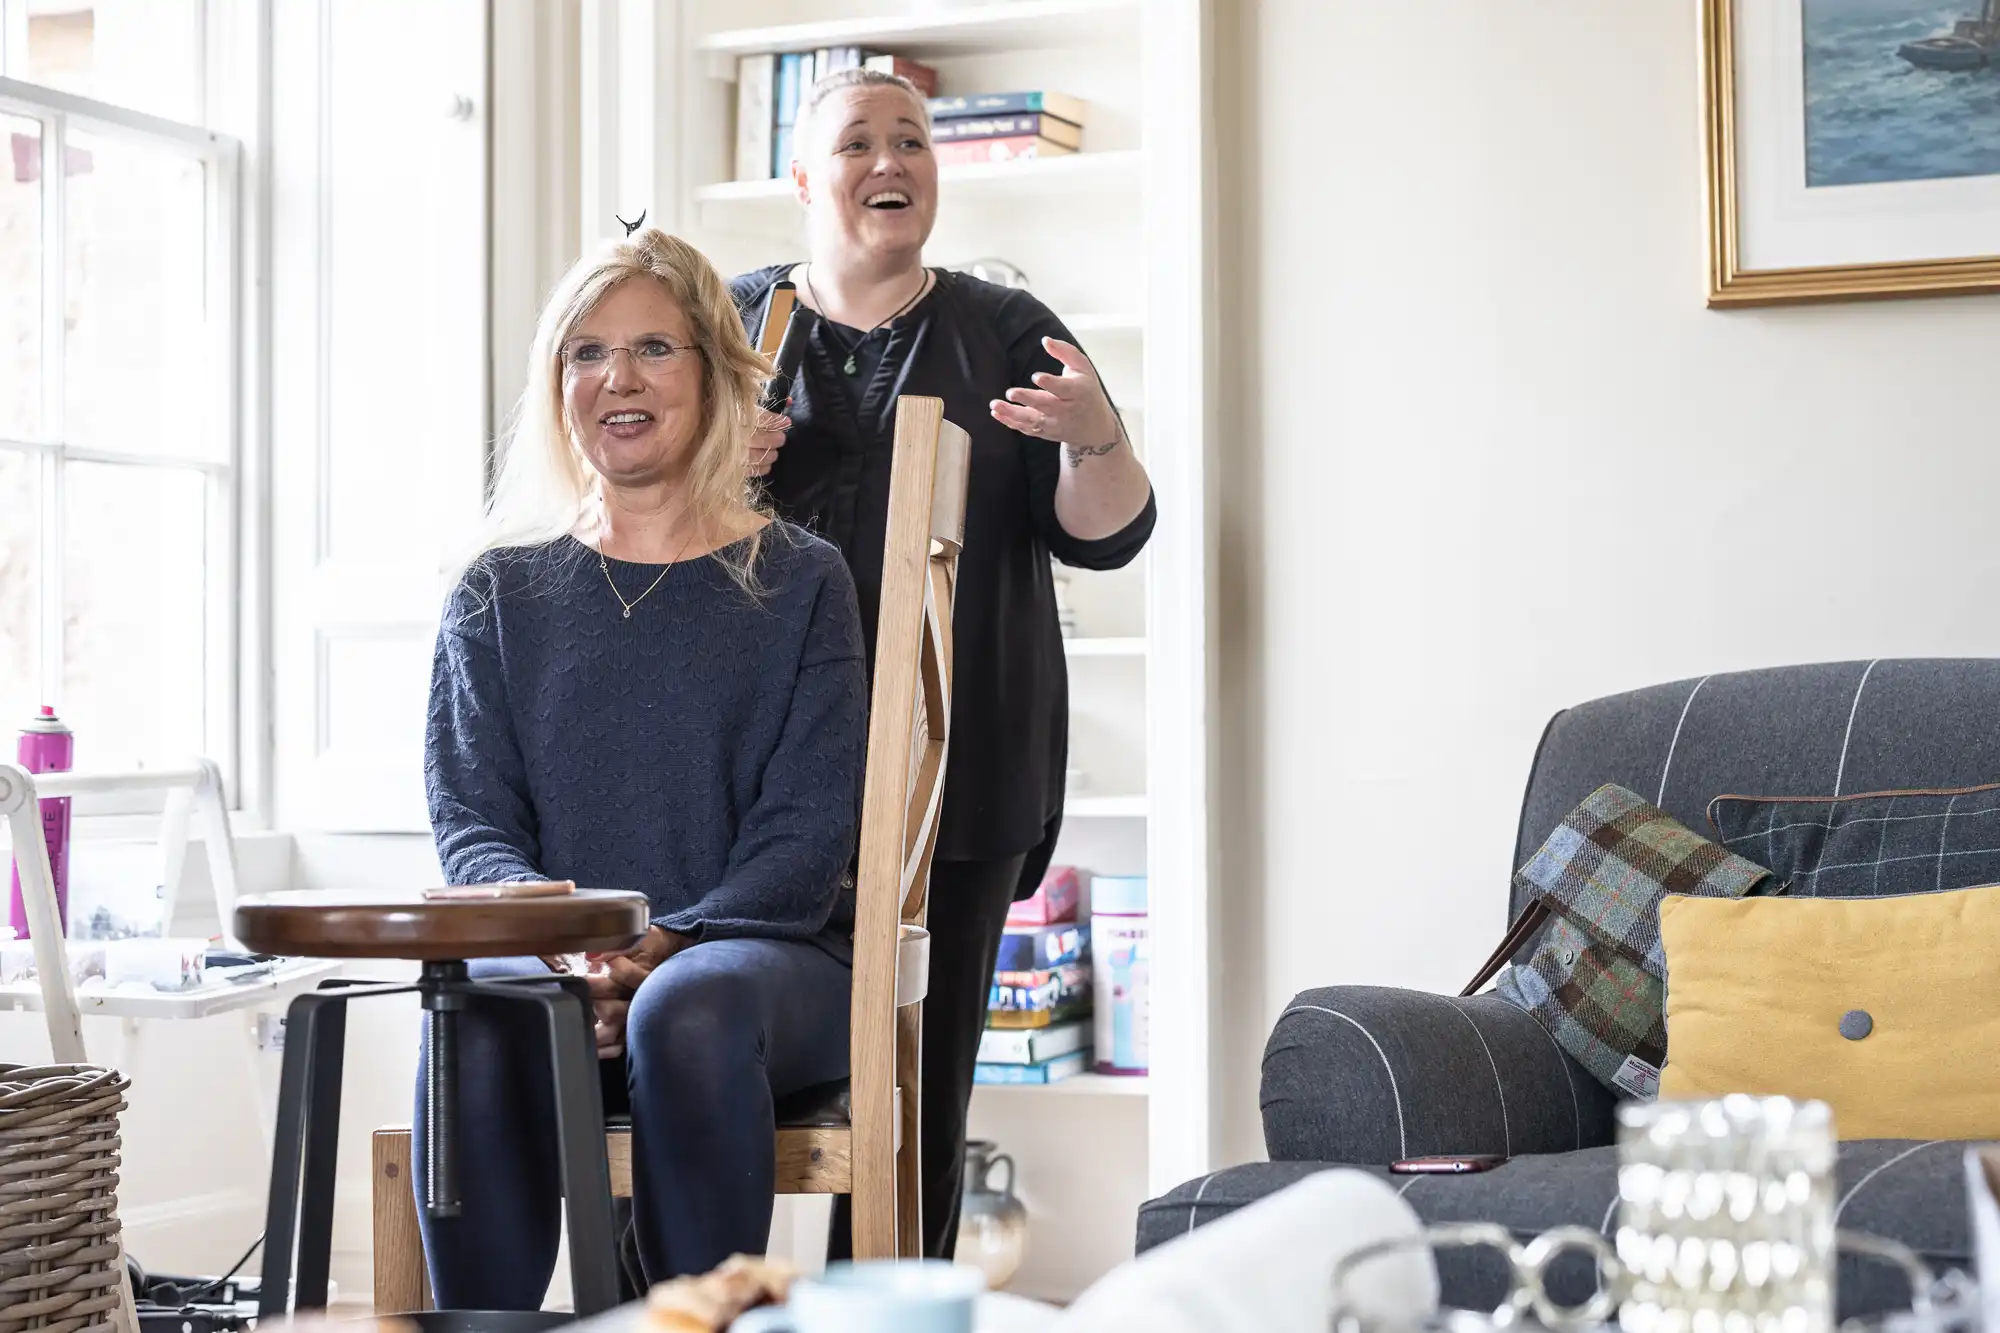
(544, 488)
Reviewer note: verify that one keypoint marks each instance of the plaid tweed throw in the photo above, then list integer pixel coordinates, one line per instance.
(1597, 979)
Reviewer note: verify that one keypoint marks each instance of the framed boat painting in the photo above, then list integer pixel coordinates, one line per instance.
(1852, 148)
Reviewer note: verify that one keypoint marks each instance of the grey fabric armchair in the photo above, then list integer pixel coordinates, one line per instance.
(1362, 1075)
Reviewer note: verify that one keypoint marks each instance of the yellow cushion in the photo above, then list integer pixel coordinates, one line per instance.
(1757, 989)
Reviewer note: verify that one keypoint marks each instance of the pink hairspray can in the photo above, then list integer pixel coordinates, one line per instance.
(47, 746)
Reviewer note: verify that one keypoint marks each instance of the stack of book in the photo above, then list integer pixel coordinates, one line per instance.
(770, 86)
(1006, 127)
(1038, 1011)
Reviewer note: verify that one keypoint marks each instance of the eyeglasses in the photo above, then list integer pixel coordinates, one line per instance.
(587, 358)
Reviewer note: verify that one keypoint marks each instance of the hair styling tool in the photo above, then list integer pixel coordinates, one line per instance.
(783, 339)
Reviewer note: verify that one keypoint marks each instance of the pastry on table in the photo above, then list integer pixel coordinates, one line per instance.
(710, 1303)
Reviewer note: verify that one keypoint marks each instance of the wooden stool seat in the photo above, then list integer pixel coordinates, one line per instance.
(388, 923)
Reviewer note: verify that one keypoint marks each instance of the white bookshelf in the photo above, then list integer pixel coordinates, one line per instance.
(1107, 324)
(946, 31)
(1105, 807)
(1116, 240)
(1131, 645)
(1076, 1085)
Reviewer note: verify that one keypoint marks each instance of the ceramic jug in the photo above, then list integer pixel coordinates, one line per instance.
(992, 1224)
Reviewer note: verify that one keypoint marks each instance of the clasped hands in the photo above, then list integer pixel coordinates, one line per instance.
(614, 978)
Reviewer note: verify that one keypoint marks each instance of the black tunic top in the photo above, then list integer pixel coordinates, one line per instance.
(967, 342)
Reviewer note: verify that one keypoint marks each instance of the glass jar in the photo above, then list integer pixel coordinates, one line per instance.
(1725, 1220)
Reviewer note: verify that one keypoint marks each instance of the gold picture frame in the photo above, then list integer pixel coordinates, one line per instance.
(1729, 282)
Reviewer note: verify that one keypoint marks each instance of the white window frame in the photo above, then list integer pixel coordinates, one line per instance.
(236, 651)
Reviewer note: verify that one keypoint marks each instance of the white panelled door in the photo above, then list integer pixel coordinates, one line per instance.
(380, 415)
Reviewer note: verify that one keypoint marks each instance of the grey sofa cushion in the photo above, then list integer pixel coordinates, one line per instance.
(1909, 1192)
(1828, 729)
(1876, 844)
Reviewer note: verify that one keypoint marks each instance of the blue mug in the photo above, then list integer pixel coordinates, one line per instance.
(875, 1296)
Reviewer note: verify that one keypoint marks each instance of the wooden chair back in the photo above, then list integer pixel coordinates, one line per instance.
(908, 740)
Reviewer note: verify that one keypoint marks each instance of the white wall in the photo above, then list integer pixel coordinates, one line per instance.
(1487, 455)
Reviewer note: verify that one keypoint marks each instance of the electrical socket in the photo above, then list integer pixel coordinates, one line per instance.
(270, 1032)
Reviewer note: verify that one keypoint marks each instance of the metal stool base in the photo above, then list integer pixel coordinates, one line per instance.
(304, 1154)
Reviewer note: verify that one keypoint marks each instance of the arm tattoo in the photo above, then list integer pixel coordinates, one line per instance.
(1076, 453)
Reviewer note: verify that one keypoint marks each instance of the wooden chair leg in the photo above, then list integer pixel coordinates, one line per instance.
(401, 1284)
(909, 1176)
(874, 1236)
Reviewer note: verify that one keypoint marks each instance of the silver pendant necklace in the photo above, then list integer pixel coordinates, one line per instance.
(605, 568)
(852, 366)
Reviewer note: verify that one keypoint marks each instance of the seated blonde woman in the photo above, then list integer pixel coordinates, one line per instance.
(646, 683)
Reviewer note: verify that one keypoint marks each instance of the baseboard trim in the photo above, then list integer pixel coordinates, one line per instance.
(191, 1208)
(355, 1195)
(351, 1266)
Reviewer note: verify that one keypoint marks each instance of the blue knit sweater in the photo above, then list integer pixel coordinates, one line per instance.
(707, 752)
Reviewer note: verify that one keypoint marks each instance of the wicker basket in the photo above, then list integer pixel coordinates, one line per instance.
(61, 1264)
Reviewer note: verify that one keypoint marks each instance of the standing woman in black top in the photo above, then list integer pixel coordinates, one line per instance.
(1053, 474)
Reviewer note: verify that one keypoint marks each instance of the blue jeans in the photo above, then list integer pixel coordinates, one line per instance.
(716, 1034)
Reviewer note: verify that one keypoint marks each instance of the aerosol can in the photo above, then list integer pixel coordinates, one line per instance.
(46, 746)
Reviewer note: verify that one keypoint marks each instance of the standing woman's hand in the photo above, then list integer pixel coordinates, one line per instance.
(1070, 408)
(764, 445)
